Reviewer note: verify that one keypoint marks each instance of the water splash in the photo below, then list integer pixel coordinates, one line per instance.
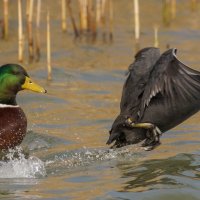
(84, 157)
(20, 167)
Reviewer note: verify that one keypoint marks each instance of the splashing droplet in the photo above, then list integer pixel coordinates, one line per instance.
(20, 167)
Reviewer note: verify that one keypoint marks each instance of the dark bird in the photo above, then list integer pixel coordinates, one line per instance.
(13, 122)
(159, 93)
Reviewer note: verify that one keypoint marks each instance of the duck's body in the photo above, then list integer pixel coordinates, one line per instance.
(13, 122)
(170, 95)
(13, 125)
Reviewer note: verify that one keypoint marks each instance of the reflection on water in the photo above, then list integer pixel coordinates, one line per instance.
(176, 177)
(69, 126)
(172, 172)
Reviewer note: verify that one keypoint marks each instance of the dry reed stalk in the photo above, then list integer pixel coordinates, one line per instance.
(89, 14)
(156, 42)
(20, 33)
(64, 16)
(137, 21)
(173, 8)
(83, 5)
(37, 44)
(76, 33)
(194, 5)
(111, 20)
(91, 19)
(5, 20)
(27, 7)
(98, 14)
(49, 71)
(27, 13)
(103, 8)
(30, 31)
(103, 18)
(167, 14)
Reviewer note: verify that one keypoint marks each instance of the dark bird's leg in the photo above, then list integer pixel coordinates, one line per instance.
(153, 133)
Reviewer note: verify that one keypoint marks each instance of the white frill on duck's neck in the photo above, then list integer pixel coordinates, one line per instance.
(8, 106)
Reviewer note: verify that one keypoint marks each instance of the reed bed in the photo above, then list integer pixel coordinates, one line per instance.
(89, 20)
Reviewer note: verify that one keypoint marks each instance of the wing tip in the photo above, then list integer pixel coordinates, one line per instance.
(174, 52)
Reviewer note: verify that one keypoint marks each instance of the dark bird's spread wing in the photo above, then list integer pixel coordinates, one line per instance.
(161, 91)
(173, 80)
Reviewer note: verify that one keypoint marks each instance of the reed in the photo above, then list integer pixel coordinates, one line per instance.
(83, 4)
(49, 71)
(166, 12)
(194, 5)
(103, 18)
(20, 33)
(76, 33)
(173, 9)
(30, 30)
(89, 14)
(98, 14)
(111, 20)
(27, 14)
(100, 17)
(137, 21)
(27, 10)
(63, 16)
(37, 42)
(91, 20)
(5, 20)
(156, 42)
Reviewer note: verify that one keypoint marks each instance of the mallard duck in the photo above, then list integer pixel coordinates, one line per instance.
(13, 121)
(159, 93)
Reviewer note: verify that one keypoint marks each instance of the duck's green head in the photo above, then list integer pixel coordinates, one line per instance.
(14, 78)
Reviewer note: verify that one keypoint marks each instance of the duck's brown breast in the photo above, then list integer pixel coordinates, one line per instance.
(13, 126)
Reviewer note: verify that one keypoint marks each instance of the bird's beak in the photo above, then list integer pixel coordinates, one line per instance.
(30, 85)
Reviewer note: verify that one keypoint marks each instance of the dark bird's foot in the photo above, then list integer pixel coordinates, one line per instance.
(150, 144)
(153, 134)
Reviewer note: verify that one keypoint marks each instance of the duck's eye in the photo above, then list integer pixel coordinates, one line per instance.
(15, 73)
(30, 82)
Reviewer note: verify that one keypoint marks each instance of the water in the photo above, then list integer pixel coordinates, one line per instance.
(68, 127)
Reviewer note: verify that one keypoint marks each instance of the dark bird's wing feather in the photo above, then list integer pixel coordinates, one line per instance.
(138, 76)
(171, 79)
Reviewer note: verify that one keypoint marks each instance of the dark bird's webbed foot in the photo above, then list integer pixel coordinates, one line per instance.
(153, 134)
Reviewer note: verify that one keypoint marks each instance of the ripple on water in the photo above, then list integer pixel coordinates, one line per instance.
(20, 167)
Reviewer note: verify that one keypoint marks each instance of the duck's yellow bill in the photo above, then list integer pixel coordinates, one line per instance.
(30, 85)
